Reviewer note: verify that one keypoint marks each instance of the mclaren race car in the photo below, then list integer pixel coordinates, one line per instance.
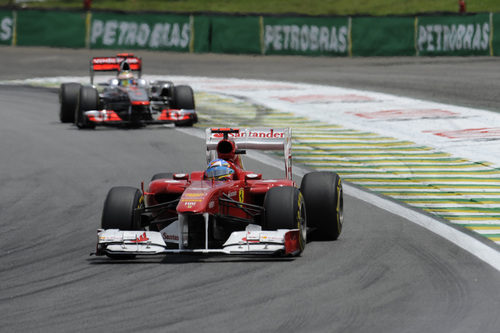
(224, 209)
(125, 100)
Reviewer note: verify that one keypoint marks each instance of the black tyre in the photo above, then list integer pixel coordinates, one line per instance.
(119, 206)
(183, 98)
(163, 175)
(324, 204)
(118, 213)
(185, 123)
(88, 99)
(285, 209)
(68, 99)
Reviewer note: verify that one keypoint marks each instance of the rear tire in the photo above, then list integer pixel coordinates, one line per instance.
(68, 98)
(323, 195)
(285, 209)
(88, 99)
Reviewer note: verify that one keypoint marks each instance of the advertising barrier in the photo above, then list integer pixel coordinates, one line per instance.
(453, 35)
(446, 35)
(495, 32)
(235, 34)
(50, 28)
(383, 36)
(151, 31)
(306, 36)
(200, 39)
(6, 27)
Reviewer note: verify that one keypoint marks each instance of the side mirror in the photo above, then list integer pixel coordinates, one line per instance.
(253, 176)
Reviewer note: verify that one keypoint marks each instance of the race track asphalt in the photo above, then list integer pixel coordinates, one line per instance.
(384, 274)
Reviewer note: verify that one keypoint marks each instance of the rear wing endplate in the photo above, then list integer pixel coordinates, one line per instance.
(122, 61)
(253, 138)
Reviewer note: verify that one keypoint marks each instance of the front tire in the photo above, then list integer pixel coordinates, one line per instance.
(119, 206)
(88, 99)
(183, 98)
(68, 98)
(185, 123)
(285, 209)
(323, 195)
(118, 213)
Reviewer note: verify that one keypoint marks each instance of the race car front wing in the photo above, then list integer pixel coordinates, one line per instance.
(166, 116)
(252, 241)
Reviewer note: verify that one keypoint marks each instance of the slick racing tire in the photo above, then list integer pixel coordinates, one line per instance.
(119, 206)
(285, 208)
(324, 204)
(88, 99)
(118, 212)
(183, 98)
(185, 123)
(163, 175)
(68, 98)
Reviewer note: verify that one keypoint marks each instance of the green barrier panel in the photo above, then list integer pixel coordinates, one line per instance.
(201, 34)
(306, 36)
(235, 34)
(383, 36)
(6, 27)
(145, 31)
(495, 34)
(46, 28)
(453, 35)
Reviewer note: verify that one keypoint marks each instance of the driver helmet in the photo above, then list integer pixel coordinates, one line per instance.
(219, 169)
(125, 78)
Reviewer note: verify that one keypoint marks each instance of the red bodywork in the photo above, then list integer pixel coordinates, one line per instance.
(114, 63)
(187, 213)
(198, 195)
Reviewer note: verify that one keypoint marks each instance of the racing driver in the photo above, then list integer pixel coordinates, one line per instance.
(219, 169)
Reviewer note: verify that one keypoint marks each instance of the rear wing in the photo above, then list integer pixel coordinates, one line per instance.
(122, 61)
(253, 138)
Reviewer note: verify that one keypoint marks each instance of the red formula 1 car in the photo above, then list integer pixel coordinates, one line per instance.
(125, 100)
(224, 209)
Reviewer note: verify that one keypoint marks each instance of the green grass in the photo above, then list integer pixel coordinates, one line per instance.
(308, 7)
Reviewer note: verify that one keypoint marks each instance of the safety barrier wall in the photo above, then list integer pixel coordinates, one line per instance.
(305, 36)
(460, 35)
(456, 35)
(60, 29)
(495, 39)
(383, 36)
(235, 34)
(7, 27)
(125, 31)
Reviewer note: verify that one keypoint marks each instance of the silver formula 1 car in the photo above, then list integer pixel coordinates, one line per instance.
(125, 100)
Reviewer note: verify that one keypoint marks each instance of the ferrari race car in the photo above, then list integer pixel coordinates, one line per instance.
(223, 212)
(125, 100)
